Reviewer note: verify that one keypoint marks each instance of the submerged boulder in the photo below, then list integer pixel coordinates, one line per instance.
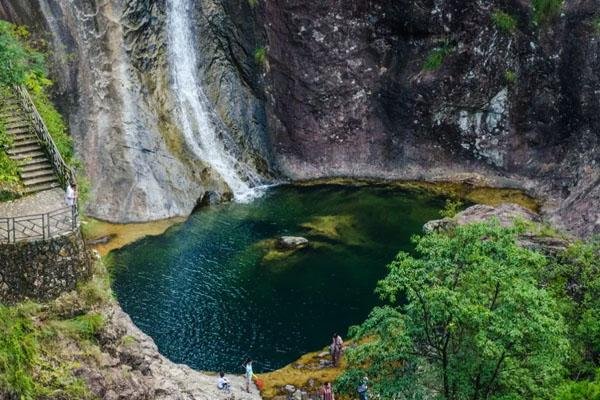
(291, 243)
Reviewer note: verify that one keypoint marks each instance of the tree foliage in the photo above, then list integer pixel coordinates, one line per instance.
(467, 320)
(574, 278)
(17, 62)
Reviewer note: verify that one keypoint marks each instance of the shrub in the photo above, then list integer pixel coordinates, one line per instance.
(510, 76)
(596, 25)
(451, 209)
(18, 352)
(8, 168)
(16, 59)
(583, 390)
(436, 57)
(545, 10)
(85, 326)
(38, 87)
(260, 55)
(253, 3)
(504, 21)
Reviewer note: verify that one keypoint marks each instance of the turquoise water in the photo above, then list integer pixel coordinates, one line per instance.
(211, 292)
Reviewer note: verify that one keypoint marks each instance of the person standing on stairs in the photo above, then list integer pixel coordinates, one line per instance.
(71, 194)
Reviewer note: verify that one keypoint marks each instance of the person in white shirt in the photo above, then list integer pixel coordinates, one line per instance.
(71, 194)
(223, 383)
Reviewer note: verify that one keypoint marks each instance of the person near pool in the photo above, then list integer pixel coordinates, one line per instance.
(327, 392)
(363, 390)
(223, 383)
(335, 348)
(249, 373)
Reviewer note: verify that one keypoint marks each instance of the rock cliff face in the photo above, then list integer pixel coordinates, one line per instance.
(350, 95)
(343, 89)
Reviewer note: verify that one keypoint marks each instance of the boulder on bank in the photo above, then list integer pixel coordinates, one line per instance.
(506, 214)
(538, 236)
(291, 243)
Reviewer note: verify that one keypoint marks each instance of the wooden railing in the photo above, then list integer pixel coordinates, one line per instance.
(64, 172)
(45, 226)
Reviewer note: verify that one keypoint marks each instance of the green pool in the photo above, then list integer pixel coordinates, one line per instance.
(215, 290)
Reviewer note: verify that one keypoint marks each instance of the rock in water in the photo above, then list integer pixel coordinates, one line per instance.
(291, 243)
(212, 198)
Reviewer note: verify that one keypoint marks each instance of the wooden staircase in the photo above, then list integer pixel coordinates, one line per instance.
(35, 168)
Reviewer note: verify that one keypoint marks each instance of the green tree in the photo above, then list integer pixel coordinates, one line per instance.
(467, 320)
(574, 278)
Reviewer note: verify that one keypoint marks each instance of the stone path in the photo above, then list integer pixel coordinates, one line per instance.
(38, 203)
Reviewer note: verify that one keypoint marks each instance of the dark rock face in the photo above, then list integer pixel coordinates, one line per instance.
(343, 91)
(42, 270)
(349, 96)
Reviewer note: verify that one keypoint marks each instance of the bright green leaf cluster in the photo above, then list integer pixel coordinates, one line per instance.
(467, 320)
(504, 21)
(260, 55)
(436, 57)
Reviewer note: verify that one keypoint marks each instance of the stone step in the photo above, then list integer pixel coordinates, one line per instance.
(16, 125)
(25, 141)
(37, 174)
(24, 149)
(24, 138)
(11, 103)
(39, 180)
(29, 162)
(41, 187)
(11, 109)
(32, 154)
(12, 118)
(43, 164)
(18, 131)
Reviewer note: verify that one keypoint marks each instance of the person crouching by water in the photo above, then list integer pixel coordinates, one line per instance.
(71, 194)
(249, 373)
(223, 383)
(335, 348)
(327, 392)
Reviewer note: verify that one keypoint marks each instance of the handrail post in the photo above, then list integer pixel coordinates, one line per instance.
(13, 230)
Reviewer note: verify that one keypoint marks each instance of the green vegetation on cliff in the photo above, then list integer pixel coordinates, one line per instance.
(504, 21)
(22, 63)
(436, 56)
(41, 344)
(545, 10)
(8, 168)
(473, 315)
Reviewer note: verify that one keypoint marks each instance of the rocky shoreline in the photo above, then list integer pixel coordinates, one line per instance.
(132, 368)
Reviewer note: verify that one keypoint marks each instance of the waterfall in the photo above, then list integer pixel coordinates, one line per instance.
(192, 105)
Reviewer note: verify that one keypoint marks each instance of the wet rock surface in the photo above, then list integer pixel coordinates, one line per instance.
(291, 243)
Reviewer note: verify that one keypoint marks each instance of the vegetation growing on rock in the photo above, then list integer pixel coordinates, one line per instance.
(436, 57)
(37, 351)
(8, 168)
(475, 315)
(545, 10)
(260, 55)
(21, 63)
(504, 21)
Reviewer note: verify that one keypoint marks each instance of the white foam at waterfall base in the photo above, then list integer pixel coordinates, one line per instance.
(192, 106)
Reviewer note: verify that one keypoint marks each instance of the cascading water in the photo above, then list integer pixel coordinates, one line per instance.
(192, 106)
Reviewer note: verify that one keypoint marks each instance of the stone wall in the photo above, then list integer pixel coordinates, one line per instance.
(44, 269)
